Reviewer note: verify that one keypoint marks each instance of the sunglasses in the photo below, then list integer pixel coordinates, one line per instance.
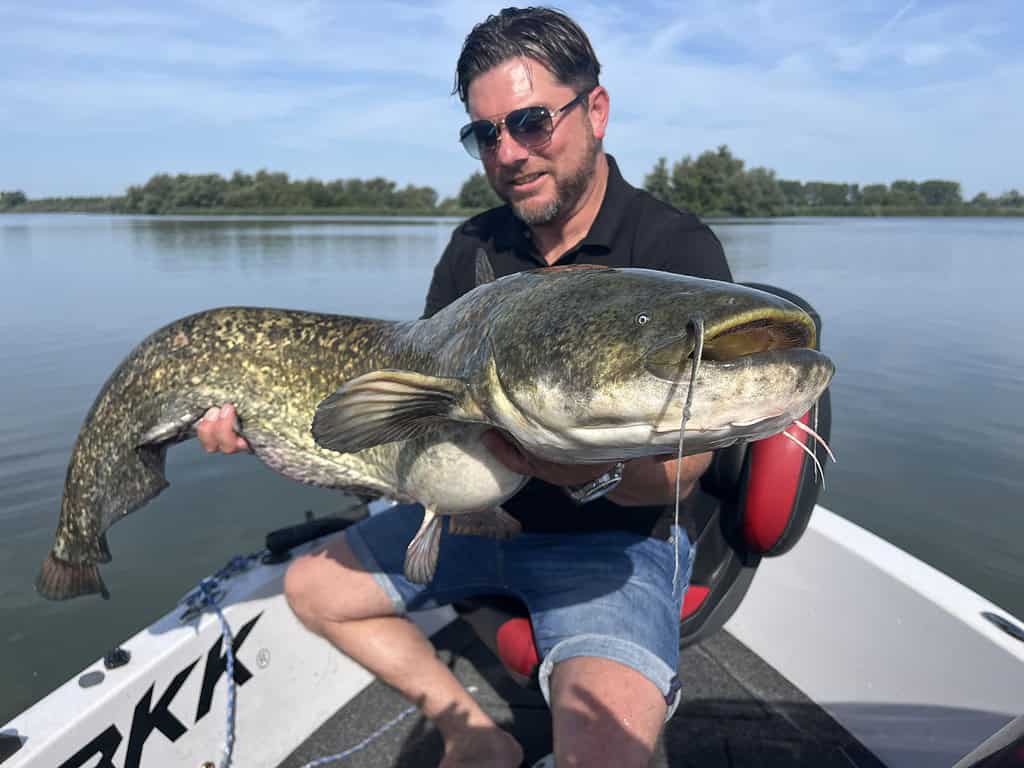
(531, 127)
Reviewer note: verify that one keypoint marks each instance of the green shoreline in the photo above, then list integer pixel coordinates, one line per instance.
(114, 210)
(716, 184)
(462, 213)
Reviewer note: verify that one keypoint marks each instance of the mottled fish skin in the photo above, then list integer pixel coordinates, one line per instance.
(562, 352)
(274, 365)
(558, 358)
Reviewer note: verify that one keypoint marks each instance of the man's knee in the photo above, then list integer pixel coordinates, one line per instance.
(604, 711)
(301, 585)
(331, 585)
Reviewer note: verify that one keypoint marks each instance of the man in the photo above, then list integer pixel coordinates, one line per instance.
(595, 561)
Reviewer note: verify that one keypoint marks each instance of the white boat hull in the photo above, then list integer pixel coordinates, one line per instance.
(895, 651)
(152, 712)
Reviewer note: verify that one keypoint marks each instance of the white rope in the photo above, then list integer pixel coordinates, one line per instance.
(365, 742)
(207, 587)
(208, 595)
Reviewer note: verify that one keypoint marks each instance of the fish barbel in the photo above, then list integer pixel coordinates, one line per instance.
(578, 365)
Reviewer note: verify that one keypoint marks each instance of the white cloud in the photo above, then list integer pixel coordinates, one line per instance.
(855, 57)
(99, 99)
(842, 91)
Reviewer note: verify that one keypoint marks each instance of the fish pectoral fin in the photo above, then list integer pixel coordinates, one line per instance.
(494, 522)
(384, 406)
(421, 554)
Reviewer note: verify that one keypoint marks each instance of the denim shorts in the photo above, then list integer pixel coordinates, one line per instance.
(607, 594)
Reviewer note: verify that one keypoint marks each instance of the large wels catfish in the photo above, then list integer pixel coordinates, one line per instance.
(584, 364)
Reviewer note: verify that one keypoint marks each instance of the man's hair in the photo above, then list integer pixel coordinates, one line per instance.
(542, 34)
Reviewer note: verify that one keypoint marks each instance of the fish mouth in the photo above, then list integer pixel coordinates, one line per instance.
(742, 336)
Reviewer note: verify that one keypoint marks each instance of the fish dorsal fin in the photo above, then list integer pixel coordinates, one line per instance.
(484, 268)
(384, 406)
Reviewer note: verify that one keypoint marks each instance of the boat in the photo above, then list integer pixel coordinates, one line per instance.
(847, 648)
(807, 640)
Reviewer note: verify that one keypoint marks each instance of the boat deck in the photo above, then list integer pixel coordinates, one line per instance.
(736, 711)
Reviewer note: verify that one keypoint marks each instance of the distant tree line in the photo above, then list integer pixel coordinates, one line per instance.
(12, 199)
(266, 190)
(716, 183)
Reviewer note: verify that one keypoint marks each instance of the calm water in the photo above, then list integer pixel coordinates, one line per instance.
(922, 318)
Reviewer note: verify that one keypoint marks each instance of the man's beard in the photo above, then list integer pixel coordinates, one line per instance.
(568, 191)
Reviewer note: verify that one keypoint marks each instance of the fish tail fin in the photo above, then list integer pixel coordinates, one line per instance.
(60, 580)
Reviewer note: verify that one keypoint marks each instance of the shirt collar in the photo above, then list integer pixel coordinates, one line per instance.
(602, 232)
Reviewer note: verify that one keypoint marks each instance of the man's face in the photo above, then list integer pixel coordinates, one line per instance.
(547, 182)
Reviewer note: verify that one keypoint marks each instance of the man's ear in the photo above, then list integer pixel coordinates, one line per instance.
(597, 111)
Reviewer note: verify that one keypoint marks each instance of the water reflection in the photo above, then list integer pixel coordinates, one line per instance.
(15, 239)
(363, 245)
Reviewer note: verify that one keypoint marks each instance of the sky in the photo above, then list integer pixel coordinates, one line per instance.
(97, 95)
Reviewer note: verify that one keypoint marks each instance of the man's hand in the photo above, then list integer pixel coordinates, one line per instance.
(218, 431)
(515, 458)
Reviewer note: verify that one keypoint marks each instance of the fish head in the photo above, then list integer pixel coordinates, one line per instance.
(597, 364)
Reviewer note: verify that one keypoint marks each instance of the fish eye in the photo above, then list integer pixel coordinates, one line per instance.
(642, 319)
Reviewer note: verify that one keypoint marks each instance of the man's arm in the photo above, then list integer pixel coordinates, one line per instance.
(645, 481)
(652, 479)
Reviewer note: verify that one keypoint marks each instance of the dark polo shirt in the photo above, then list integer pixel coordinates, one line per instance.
(632, 229)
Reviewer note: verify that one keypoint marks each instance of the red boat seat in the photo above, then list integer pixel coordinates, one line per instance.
(755, 501)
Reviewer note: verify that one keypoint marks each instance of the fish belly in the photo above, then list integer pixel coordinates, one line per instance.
(454, 473)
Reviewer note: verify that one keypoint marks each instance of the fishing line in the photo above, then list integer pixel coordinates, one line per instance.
(696, 322)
